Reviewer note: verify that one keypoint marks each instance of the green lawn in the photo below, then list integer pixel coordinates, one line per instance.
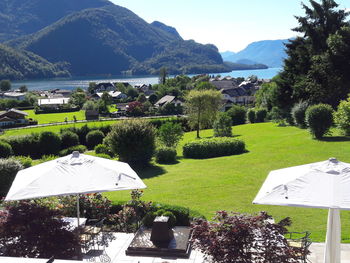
(55, 117)
(231, 183)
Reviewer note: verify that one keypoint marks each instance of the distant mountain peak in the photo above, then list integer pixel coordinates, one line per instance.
(169, 29)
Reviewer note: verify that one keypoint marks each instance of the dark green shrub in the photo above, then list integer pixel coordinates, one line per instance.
(46, 158)
(298, 113)
(24, 160)
(172, 218)
(82, 132)
(275, 114)
(251, 115)
(215, 147)
(223, 125)
(133, 141)
(69, 139)
(170, 134)
(105, 129)
(238, 114)
(5, 149)
(183, 121)
(27, 145)
(50, 143)
(8, 170)
(102, 148)
(148, 219)
(79, 148)
(183, 215)
(319, 119)
(94, 138)
(103, 155)
(260, 115)
(165, 155)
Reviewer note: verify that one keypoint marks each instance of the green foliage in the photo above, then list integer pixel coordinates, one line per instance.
(46, 158)
(251, 115)
(78, 99)
(165, 155)
(50, 143)
(153, 98)
(5, 149)
(205, 85)
(5, 85)
(342, 117)
(148, 219)
(298, 113)
(104, 155)
(260, 115)
(133, 141)
(26, 145)
(238, 114)
(103, 149)
(94, 138)
(163, 74)
(69, 139)
(170, 134)
(90, 105)
(26, 161)
(223, 125)
(215, 147)
(319, 119)
(79, 148)
(8, 170)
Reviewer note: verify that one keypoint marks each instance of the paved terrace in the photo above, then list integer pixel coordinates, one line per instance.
(115, 253)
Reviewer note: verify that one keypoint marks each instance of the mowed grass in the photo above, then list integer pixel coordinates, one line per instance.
(55, 117)
(231, 183)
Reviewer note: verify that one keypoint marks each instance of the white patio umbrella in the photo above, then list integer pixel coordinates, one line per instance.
(73, 175)
(320, 185)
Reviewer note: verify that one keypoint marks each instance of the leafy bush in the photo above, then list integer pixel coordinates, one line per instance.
(103, 149)
(238, 114)
(27, 230)
(50, 143)
(275, 114)
(5, 149)
(148, 219)
(298, 113)
(27, 145)
(183, 121)
(233, 238)
(94, 138)
(78, 148)
(215, 147)
(223, 125)
(69, 139)
(172, 218)
(260, 115)
(342, 117)
(170, 134)
(133, 141)
(103, 155)
(165, 155)
(46, 158)
(319, 119)
(24, 160)
(8, 170)
(251, 115)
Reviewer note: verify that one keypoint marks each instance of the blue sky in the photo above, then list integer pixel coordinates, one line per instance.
(228, 24)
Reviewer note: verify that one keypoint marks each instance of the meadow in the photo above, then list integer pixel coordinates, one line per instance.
(55, 117)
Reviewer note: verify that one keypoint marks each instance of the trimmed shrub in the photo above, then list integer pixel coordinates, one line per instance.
(148, 219)
(103, 155)
(24, 160)
(133, 141)
(82, 132)
(69, 139)
(5, 149)
(79, 148)
(50, 143)
(342, 117)
(172, 218)
(183, 215)
(251, 115)
(319, 119)
(238, 114)
(46, 158)
(170, 134)
(94, 138)
(8, 170)
(223, 125)
(215, 147)
(27, 145)
(165, 155)
(260, 115)
(104, 149)
(298, 113)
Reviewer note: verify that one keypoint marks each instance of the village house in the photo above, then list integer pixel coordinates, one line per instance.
(52, 102)
(12, 117)
(116, 95)
(13, 95)
(105, 86)
(62, 93)
(168, 99)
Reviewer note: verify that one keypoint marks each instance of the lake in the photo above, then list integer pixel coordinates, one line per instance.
(83, 82)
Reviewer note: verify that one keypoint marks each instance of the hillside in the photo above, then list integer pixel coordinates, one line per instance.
(22, 17)
(17, 64)
(111, 40)
(169, 29)
(269, 52)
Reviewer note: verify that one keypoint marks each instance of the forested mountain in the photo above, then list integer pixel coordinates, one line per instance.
(110, 40)
(169, 29)
(269, 52)
(22, 17)
(17, 64)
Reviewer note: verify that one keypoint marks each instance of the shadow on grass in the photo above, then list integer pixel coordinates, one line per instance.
(336, 139)
(150, 171)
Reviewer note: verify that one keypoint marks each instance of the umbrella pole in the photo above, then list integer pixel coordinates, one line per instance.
(78, 211)
(332, 245)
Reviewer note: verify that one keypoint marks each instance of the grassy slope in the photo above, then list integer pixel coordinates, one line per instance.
(231, 183)
(55, 117)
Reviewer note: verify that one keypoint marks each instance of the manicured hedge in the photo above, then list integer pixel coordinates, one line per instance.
(165, 155)
(214, 147)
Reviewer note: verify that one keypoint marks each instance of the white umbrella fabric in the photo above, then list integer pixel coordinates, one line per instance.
(319, 185)
(73, 175)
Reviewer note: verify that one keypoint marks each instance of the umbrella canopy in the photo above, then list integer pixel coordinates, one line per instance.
(73, 174)
(320, 185)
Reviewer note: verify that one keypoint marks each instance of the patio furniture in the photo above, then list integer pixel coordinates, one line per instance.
(301, 242)
(73, 222)
(90, 234)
